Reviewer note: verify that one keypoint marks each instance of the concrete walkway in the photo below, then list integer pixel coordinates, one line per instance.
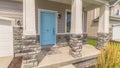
(5, 61)
(64, 58)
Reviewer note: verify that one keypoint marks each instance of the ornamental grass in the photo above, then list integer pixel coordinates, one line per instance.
(110, 56)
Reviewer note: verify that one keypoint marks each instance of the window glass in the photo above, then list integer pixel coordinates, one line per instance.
(117, 13)
(68, 22)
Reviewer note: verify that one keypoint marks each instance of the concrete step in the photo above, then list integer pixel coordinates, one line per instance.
(68, 66)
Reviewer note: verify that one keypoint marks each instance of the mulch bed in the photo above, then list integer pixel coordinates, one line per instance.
(16, 62)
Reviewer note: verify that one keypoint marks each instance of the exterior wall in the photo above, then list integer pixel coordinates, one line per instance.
(59, 7)
(92, 26)
(114, 10)
(14, 10)
(10, 9)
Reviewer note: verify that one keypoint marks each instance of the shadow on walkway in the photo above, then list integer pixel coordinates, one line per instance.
(16, 62)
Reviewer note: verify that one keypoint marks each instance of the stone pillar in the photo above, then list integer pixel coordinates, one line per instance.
(29, 17)
(103, 28)
(76, 29)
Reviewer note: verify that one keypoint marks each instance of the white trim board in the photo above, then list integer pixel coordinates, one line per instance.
(67, 10)
(8, 19)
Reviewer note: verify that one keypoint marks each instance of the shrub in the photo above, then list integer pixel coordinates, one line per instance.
(109, 57)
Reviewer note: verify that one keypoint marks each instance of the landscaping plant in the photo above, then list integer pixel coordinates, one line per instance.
(109, 57)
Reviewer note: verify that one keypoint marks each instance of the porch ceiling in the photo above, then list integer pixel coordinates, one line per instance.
(87, 4)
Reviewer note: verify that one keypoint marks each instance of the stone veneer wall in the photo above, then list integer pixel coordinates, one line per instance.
(18, 42)
(29, 46)
(30, 49)
(25, 46)
(63, 40)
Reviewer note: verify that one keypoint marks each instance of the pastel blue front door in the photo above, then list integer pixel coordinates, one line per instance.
(47, 28)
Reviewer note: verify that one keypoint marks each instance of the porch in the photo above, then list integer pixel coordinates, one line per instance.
(62, 58)
(77, 33)
(29, 40)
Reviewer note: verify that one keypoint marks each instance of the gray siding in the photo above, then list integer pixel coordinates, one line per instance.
(15, 10)
(10, 9)
(59, 7)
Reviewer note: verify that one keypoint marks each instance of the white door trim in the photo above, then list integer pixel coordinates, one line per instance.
(40, 22)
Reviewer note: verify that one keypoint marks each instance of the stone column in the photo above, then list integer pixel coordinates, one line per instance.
(103, 28)
(76, 29)
(29, 17)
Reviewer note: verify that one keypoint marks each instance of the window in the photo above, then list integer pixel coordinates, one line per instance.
(68, 21)
(117, 13)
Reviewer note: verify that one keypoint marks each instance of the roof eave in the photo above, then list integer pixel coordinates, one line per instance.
(115, 3)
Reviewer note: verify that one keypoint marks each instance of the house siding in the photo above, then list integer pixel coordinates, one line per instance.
(14, 10)
(11, 9)
(59, 7)
(114, 10)
(92, 26)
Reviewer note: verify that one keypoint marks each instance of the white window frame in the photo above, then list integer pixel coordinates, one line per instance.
(67, 10)
(115, 11)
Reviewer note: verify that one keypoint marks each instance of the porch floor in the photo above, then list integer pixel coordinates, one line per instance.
(64, 58)
(5, 61)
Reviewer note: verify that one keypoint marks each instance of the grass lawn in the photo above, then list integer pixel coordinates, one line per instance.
(92, 42)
